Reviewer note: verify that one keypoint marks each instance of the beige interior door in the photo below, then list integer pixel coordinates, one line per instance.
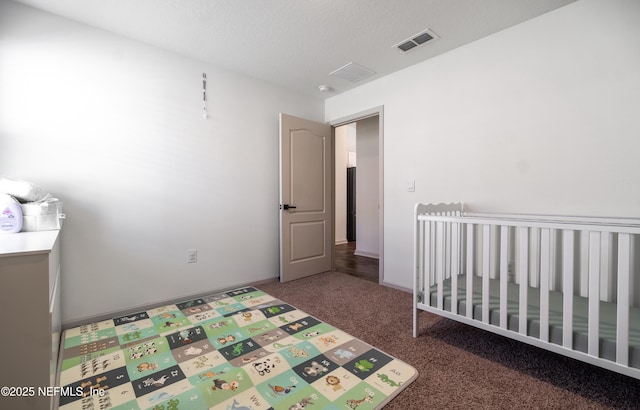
(306, 231)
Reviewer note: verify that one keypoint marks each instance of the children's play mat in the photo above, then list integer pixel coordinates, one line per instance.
(236, 350)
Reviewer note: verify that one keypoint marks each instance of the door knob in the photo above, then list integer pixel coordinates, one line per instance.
(287, 206)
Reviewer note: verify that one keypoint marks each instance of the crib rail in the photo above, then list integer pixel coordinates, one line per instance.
(503, 273)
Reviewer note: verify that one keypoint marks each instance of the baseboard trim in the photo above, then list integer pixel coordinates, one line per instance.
(398, 287)
(342, 242)
(117, 313)
(366, 254)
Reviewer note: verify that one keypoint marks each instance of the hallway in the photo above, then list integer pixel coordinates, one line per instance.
(359, 266)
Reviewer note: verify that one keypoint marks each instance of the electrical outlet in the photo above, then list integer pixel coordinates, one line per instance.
(192, 256)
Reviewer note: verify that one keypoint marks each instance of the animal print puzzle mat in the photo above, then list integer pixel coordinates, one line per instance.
(237, 350)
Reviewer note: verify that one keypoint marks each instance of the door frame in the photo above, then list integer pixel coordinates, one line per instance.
(372, 112)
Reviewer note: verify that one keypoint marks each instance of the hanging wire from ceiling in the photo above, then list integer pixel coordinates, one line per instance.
(205, 114)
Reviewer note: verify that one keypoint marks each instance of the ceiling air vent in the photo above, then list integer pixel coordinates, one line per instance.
(352, 72)
(417, 40)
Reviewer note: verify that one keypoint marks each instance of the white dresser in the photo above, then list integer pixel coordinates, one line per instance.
(30, 306)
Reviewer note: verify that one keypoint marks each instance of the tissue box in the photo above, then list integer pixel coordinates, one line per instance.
(42, 216)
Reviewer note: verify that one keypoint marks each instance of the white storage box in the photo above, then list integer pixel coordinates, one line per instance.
(42, 216)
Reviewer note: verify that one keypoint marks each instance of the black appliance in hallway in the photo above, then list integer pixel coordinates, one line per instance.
(351, 204)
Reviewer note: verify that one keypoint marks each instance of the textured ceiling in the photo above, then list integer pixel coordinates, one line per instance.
(297, 43)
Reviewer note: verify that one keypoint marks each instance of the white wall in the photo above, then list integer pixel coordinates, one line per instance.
(340, 211)
(540, 118)
(114, 128)
(367, 141)
(345, 148)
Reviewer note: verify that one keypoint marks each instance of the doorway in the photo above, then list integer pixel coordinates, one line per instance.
(358, 151)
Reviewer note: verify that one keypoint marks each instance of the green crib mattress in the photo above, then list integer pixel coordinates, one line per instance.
(608, 312)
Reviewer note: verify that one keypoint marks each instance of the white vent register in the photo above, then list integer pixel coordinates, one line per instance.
(352, 72)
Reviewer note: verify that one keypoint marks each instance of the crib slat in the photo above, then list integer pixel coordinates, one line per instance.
(428, 272)
(545, 268)
(420, 251)
(486, 236)
(534, 257)
(524, 279)
(554, 284)
(431, 253)
(567, 286)
(425, 260)
(622, 326)
(593, 348)
(447, 251)
(504, 274)
(606, 280)
(455, 251)
(584, 264)
(470, 245)
(439, 257)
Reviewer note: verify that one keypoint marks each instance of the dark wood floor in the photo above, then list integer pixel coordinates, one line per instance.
(360, 266)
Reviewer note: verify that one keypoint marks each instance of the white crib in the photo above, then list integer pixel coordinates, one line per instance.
(566, 284)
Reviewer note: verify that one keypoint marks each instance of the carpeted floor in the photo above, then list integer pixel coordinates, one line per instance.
(460, 366)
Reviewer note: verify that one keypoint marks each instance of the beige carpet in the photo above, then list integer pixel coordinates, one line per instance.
(460, 366)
